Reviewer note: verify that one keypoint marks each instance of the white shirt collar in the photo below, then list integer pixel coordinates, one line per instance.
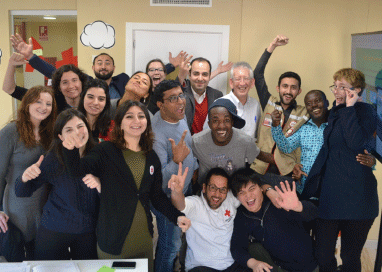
(198, 98)
(236, 100)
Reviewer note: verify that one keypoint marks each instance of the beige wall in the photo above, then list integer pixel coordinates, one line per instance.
(319, 33)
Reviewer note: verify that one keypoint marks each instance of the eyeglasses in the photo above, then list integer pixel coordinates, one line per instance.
(213, 189)
(174, 99)
(334, 88)
(239, 79)
(156, 69)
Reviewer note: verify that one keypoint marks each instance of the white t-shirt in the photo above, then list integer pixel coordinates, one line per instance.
(209, 237)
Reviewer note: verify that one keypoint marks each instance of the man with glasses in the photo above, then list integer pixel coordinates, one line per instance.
(224, 145)
(173, 146)
(248, 108)
(212, 215)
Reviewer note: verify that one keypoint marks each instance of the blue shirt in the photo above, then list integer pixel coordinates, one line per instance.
(114, 94)
(162, 146)
(309, 137)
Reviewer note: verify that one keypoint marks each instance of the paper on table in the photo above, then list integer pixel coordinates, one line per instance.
(67, 267)
(14, 267)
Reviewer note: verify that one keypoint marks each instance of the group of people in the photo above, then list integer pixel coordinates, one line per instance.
(256, 185)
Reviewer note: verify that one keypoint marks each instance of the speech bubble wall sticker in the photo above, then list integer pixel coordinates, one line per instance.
(98, 35)
(1, 54)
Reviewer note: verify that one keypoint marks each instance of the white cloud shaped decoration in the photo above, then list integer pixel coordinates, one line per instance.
(98, 35)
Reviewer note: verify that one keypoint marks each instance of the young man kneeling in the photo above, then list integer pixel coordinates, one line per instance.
(279, 231)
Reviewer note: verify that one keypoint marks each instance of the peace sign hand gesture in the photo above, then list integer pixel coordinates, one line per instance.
(176, 183)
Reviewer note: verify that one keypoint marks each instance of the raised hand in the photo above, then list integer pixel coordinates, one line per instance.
(21, 47)
(176, 182)
(351, 97)
(179, 151)
(92, 182)
(224, 68)
(3, 222)
(289, 200)
(297, 172)
(184, 69)
(178, 59)
(184, 223)
(366, 159)
(276, 118)
(17, 59)
(32, 171)
(280, 40)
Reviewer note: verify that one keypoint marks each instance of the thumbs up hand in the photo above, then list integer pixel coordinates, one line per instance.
(32, 171)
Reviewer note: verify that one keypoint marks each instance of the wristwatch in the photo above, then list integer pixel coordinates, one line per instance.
(269, 188)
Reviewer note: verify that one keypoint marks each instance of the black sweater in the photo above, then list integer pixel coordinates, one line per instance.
(119, 193)
(280, 232)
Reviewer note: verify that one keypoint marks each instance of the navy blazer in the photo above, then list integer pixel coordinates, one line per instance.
(346, 189)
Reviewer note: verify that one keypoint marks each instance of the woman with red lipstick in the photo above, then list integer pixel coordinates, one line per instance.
(347, 190)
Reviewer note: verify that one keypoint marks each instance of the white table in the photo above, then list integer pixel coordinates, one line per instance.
(88, 265)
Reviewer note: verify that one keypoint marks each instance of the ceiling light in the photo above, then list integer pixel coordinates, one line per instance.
(49, 18)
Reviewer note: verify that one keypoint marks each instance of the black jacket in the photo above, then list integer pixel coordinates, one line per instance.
(119, 193)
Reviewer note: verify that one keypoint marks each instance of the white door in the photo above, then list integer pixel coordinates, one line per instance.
(145, 42)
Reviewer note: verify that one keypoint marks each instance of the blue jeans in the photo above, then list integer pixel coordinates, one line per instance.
(169, 243)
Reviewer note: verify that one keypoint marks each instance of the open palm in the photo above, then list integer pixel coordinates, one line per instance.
(289, 200)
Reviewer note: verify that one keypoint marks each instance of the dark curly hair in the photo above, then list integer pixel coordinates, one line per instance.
(56, 80)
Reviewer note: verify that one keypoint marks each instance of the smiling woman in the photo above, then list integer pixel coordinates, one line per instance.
(130, 172)
(348, 190)
(95, 105)
(69, 215)
(22, 142)
(68, 82)
(138, 88)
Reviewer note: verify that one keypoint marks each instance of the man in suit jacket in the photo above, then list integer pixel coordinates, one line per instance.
(199, 96)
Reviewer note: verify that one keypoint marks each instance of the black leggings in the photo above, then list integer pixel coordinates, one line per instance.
(353, 238)
(52, 245)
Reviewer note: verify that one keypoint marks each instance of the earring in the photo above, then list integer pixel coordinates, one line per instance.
(144, 100)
